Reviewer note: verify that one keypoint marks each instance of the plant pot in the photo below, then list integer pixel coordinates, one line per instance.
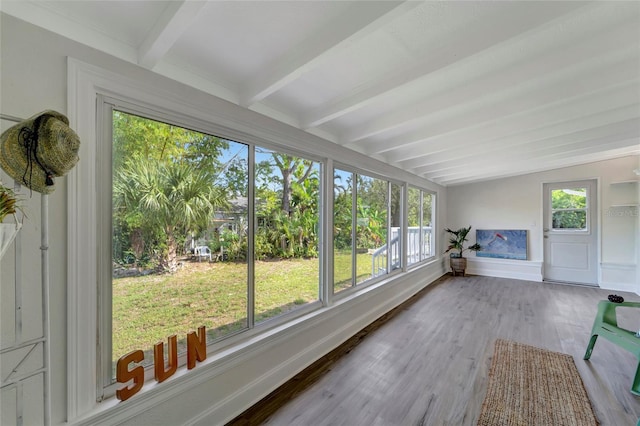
(458, 265)
(8, 232)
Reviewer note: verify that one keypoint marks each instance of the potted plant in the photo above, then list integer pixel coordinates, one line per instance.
(456, 247)
(8, 206)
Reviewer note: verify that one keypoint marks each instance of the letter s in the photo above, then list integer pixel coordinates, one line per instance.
(123, 374)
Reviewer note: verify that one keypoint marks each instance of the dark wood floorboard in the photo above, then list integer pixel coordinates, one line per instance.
(426, 363)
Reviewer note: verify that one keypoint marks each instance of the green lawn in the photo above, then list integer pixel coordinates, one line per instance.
(148, 309)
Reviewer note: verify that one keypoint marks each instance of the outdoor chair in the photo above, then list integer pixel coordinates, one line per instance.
(202, 252)
(606, 325)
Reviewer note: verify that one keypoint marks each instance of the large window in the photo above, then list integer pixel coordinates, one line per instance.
(287, 269)
(372, 197)
(420, 212)
(343, 219)
(367, 228)
(182, 254)
(179, 235)
(204, 236)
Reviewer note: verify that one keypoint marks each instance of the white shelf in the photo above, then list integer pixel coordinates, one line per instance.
(622, 182)
(626, 205)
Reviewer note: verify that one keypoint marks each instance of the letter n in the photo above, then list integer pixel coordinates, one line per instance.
(123, 374)
(196, 347)
(158, 359)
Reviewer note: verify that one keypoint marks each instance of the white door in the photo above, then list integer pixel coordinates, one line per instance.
(570, 232)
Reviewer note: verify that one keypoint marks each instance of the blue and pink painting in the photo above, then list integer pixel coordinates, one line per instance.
(502, 243)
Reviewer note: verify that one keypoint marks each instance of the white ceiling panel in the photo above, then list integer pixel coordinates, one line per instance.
(454, 92)
(129, 22)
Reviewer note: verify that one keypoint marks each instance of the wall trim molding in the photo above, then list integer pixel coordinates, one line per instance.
(619, 277)
(528, 270)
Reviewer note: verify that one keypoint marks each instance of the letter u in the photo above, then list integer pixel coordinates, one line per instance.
(158, 359)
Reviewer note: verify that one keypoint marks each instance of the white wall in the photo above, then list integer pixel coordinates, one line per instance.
(34, 78)
(516, 203)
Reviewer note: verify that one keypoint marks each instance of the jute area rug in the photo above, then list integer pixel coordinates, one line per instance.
(533, 386)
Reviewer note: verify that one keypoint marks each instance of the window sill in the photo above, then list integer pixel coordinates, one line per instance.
(385, 295)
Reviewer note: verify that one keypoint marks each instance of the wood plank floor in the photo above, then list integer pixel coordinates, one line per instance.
(426, 363)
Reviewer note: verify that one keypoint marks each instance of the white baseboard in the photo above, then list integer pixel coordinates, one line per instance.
(505, 268)
(619, 277)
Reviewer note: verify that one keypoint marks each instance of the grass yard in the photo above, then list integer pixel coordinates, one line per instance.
(148, 309)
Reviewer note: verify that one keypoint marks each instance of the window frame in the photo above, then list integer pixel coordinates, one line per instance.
(85, 83)
(422, 192)
(355, 172)
(105, 386)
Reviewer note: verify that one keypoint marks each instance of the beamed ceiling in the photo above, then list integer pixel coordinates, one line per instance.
(455, 92)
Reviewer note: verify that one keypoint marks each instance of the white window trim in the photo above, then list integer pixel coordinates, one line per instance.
(84, 83)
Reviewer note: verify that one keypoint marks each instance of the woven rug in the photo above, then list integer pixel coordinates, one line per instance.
(533, 386)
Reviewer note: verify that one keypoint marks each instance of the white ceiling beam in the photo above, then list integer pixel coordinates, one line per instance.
(551, 90)
(412, 147)
(614, 149)
(176, 18)
(551, 164)
(590, 138)
(459, 48)
(221, 89)
(344, 31)
(586, 123)
(534, 68)
(627, 138)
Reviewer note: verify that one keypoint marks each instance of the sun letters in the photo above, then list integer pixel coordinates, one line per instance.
(196, 351)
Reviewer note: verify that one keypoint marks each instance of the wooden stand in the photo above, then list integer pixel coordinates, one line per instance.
(458, 265)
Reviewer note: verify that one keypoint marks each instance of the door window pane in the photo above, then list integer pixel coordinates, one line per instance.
(569, 208)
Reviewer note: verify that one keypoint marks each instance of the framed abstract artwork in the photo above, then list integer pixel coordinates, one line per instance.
(502, 243)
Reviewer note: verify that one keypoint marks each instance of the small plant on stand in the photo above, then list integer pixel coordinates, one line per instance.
(8, 207)
(456, 247)
(8, 202)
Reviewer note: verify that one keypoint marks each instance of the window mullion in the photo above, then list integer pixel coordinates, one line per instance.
(251, 240)
(354, 230)
(326, 233)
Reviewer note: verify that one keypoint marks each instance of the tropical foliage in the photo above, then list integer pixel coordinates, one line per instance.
(166, 198)
(457, 240)
(371, 205)
(171, 184)
(175, 190)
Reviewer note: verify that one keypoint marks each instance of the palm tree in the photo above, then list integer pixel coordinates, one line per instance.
(174, 197)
